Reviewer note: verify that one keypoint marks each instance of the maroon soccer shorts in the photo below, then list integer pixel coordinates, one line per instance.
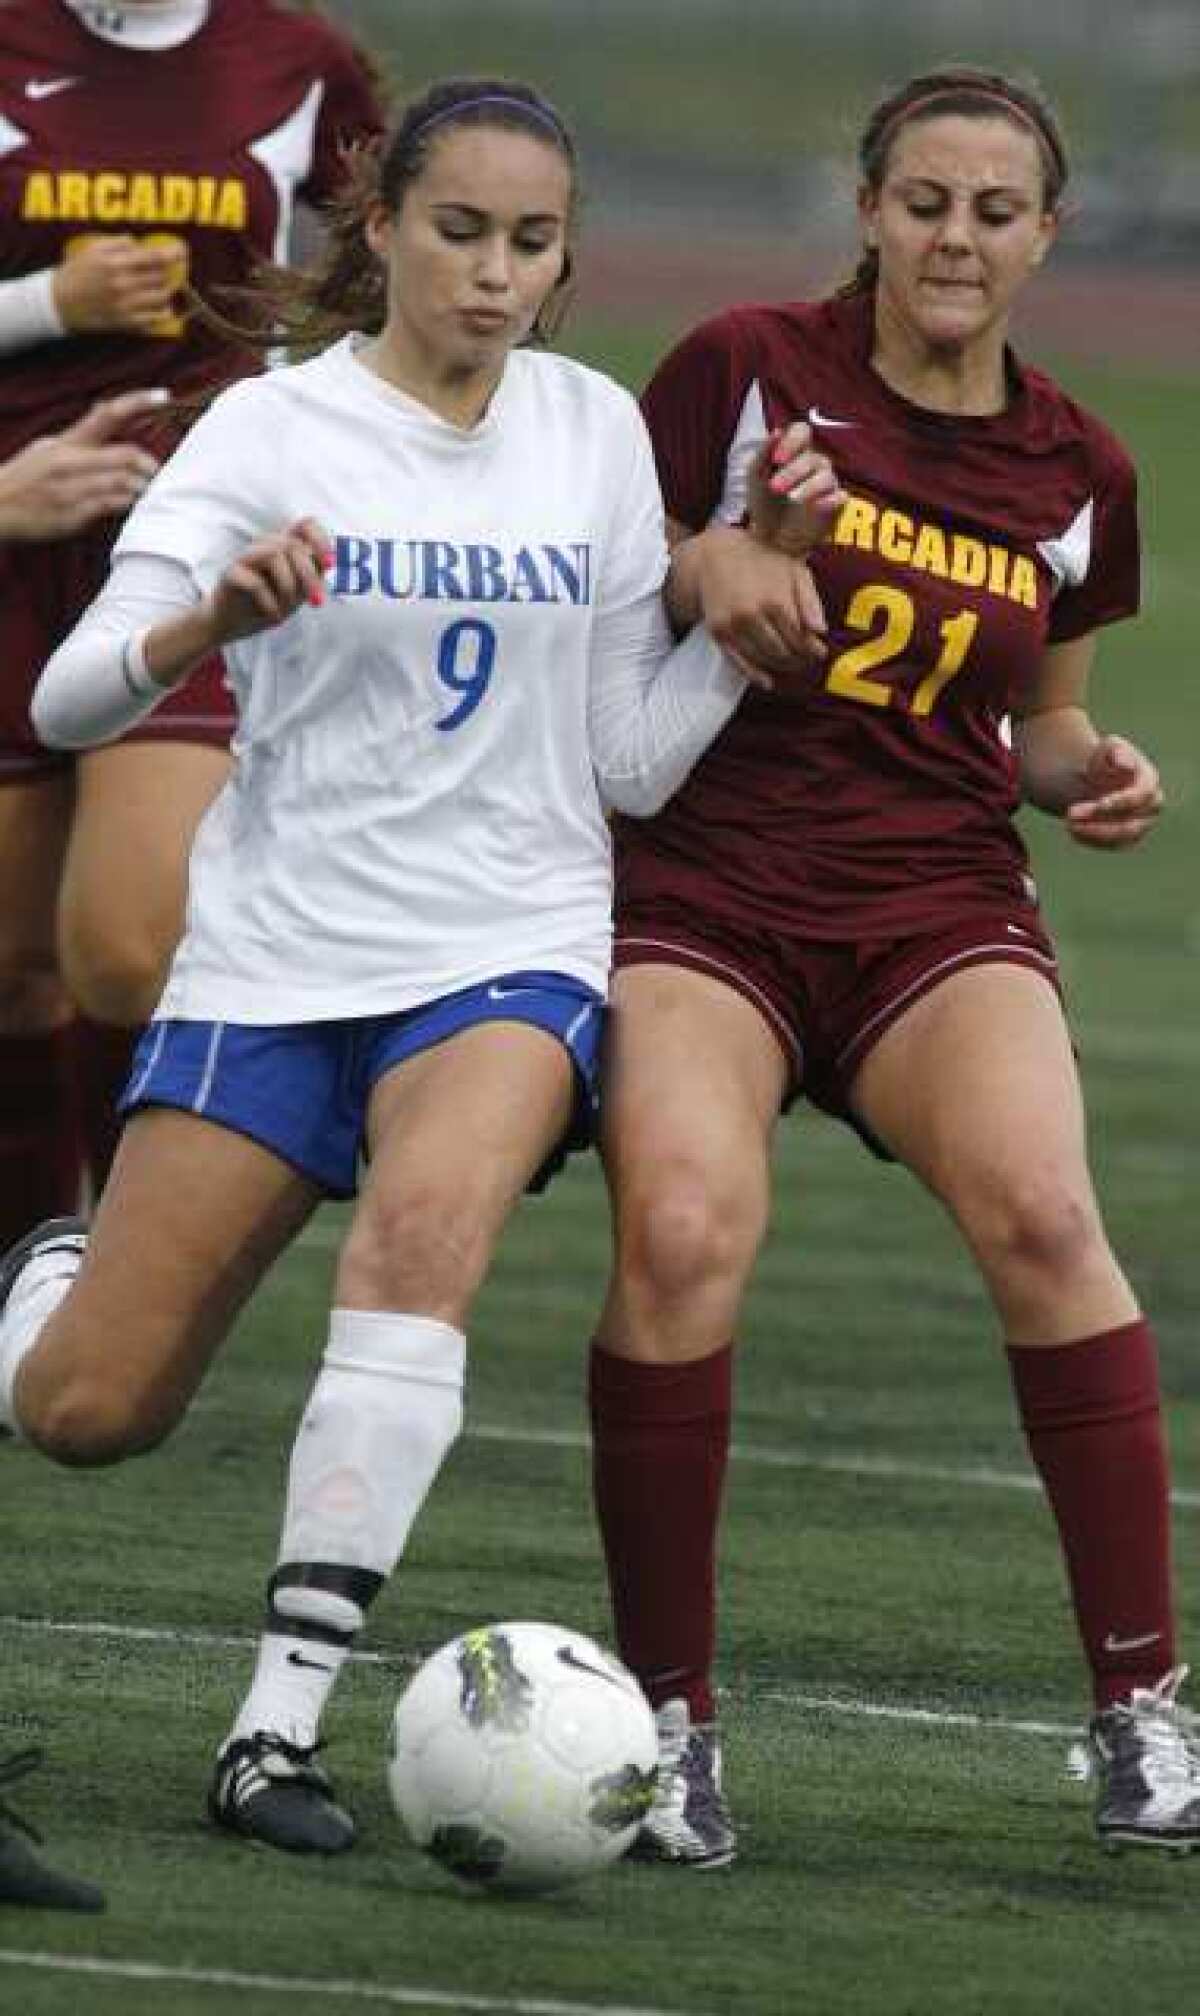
(827, 1004)
(43, 592)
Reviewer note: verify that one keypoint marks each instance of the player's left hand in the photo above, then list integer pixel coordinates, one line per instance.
(1122, 796)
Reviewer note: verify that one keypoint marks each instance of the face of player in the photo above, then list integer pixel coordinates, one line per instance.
(959, 225)
(475, 250)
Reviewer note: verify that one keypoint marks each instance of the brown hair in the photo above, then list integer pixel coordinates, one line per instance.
(970, 93)
(305, 309)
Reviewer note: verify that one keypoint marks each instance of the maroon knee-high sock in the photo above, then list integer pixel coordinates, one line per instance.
(103, 1055)
(660, 1446)
(1093, 1418)
(39, 1141)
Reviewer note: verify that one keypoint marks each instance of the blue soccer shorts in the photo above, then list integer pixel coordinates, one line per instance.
(301, 1088)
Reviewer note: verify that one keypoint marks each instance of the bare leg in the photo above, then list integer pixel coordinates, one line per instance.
(694, 1083)
(121, 907)
(976, 1089)
(455, 1135)
(192, 1218)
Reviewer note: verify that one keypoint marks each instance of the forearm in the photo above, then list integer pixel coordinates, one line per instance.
(1053, 750)
(682, 589)
(29, 312)
(653, 713)
(141, 637)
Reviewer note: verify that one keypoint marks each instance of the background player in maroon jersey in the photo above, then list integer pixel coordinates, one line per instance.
(838, 903)
(49, 490)
(142, 147)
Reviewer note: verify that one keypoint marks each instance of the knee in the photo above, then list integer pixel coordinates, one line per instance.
(115, 974)
(680, 1235)
(419, 1250)
(88, 1424)
(1043, 1226)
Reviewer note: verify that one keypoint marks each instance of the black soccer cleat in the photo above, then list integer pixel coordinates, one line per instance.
(24, 1877)
(267, 1789)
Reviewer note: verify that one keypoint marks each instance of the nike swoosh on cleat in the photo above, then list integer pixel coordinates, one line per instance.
(317, 1665)
(1114, 1644)
(48, 87)
(818, 419)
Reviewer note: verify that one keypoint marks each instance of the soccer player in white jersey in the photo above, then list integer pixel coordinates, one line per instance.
(450, 657)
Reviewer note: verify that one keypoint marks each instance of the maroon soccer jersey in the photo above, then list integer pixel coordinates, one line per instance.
(877, 799)
(206, 145)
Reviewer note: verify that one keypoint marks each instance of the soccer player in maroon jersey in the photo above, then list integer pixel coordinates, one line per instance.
(838, 904)
(144, 147)
(50, 489)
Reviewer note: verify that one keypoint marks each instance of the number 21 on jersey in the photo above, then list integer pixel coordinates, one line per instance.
(888, 615)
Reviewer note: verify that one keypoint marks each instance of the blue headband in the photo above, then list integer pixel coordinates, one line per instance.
(541, 113)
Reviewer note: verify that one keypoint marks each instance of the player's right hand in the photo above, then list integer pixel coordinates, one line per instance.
(269, 581)
(62, 482)
(117, 284)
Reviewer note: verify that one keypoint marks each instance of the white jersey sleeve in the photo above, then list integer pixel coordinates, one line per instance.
(89, 692)
(215, 494)
(28, 312)
(652, 710)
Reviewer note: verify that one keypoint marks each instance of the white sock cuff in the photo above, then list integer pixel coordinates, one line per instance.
(391, 1345)
(300, 1601)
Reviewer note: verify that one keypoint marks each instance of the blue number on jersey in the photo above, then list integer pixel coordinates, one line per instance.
(470, 678)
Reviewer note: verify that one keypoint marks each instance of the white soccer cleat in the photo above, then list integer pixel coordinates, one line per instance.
(1146, 1756)
(689, 1821)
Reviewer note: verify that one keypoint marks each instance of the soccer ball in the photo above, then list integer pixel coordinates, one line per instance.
(523, 1757)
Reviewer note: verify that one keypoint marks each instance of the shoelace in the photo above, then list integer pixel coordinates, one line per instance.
(693, 1770)
(299, 1756)
(11, 1768)
(1170, 1733)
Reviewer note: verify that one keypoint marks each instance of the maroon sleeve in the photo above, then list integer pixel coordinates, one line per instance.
(692, 406)
(350, 110)
(1110, 589)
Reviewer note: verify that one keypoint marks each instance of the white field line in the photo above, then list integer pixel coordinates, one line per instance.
(401, 1662)
(932, 1718)
(180, 1636)
(853, 1464)
(291, 1984)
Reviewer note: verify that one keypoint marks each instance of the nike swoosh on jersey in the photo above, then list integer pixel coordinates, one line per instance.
(48, 87)
(508, 993)
(818, 419)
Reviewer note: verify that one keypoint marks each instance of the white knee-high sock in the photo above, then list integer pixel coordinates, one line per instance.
(35, 1295)
(382, 1416)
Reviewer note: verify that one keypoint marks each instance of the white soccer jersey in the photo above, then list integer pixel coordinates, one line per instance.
(414, 804)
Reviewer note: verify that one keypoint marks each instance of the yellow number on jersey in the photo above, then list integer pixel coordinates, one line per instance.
(848, 675)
